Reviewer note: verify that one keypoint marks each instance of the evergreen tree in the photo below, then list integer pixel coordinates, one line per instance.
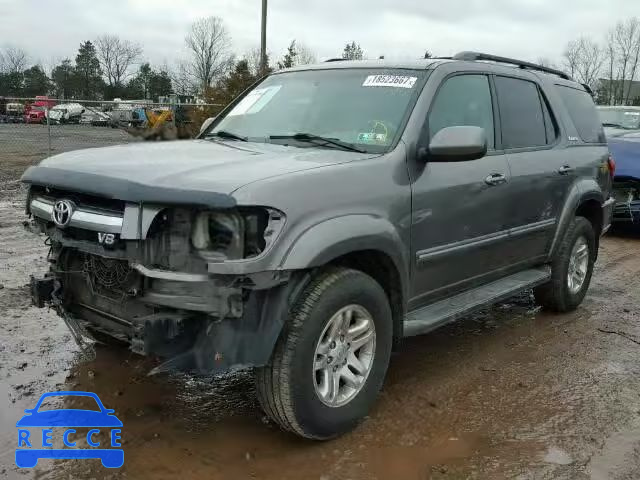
(64, 80)
(36, 82)
(289, 59)
(88, 72)
(352, 51)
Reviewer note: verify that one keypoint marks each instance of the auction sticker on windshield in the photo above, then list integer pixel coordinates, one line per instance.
(397, 81)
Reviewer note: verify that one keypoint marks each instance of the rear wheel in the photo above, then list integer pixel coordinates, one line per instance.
(330, 362)
(571, 268)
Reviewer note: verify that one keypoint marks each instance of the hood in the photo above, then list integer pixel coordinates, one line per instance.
(625, 150)
(203, 172)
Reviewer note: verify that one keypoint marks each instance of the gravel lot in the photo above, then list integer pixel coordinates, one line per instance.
(22, 145)
(510, 393)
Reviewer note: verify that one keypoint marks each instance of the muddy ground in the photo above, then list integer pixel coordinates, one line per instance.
(510, 393)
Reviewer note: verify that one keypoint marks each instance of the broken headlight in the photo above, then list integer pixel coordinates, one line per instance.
(235, 234)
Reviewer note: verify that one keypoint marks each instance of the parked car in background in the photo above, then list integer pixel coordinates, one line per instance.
(3, 109)
(36, 114)
(15, 112)
(66, 113)
(622, 127)
(36, 111)
(128, 113)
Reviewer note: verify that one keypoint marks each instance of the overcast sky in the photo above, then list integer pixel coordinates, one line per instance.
(50, 30)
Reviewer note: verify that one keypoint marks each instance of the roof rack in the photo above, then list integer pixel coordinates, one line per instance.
(474, 56)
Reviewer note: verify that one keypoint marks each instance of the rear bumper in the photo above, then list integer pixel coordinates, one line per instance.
(626, 213)
(607, 214)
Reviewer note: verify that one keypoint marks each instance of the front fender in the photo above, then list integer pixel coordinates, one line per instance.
(339, 236)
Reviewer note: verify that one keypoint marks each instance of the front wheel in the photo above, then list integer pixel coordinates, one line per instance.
(332, 357)
(571, 268)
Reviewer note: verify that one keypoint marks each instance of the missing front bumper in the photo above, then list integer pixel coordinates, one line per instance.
(184, 340)
(41, 290)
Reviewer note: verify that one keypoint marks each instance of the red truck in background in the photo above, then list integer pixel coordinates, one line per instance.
(37, 111)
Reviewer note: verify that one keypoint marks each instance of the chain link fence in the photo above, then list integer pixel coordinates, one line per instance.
(35, 128)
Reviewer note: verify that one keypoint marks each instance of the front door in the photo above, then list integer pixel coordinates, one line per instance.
(459, 208)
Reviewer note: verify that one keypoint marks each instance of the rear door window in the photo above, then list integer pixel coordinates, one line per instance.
(583, 113)
(521, 114)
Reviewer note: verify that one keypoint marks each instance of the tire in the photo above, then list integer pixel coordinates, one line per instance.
(287, 386)
(556, 295)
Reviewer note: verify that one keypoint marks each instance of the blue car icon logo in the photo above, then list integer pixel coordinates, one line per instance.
(29, 452)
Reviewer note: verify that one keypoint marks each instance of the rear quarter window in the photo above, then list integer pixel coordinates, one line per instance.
(583, 114)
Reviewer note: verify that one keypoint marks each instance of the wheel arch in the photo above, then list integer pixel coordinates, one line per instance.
(364, 242)
(585, 199)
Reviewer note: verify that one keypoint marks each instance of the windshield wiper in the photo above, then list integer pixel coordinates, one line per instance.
(614, 125)
(318, 140)
(229, 135)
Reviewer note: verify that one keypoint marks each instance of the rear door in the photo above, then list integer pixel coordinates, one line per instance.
(541, 172)
(459, 208)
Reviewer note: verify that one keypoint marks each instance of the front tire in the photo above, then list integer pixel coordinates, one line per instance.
(571, 269)
(331, 359)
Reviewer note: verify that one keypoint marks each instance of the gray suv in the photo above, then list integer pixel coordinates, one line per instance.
(328, 212)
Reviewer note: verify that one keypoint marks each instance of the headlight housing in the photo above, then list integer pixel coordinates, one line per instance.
(235, 234)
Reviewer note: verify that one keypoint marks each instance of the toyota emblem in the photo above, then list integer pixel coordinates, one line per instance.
(62, 212)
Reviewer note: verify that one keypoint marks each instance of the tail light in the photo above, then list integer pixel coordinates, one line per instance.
(612, 166)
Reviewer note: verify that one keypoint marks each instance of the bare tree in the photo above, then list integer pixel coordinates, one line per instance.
(304, 55)
(610, 52)
(209, 44)
(572, 57)
(547, 63)
(625, 34)
(254, 60)
(584, 59)
(633, 30)
(13, 59)
(182, 80)
(116, 57)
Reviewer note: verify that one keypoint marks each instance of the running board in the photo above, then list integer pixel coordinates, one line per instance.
(426, 319)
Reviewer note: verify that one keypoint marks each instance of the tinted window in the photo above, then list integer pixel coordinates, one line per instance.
(464, 100)
(521, 113)
(583, 113)
(550, 124)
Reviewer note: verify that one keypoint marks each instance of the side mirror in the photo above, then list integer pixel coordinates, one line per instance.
(456, 144)
(206, 124)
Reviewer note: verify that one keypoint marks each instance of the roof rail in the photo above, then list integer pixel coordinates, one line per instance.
(474, 56)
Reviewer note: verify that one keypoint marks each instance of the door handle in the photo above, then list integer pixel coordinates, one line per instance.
(565, 169)
(496, 179)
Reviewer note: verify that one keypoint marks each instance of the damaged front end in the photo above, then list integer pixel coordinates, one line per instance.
(141, 274)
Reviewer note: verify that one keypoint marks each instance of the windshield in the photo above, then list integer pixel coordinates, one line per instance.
(620, 117)
(365, 108)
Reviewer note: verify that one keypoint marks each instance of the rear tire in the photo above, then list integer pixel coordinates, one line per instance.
(571, 270)
(291, 388)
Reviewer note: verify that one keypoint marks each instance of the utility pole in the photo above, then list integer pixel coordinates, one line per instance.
(263, 40)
